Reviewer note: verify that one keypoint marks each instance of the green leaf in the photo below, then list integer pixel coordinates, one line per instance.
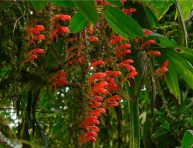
(159, 7)
(39, 5)
(78, 23)
(172, 83)
(115, 2)
(164, 41)
(186, 6)
(187, 140)
(187, 53)
(63, 3)
(183, 36)
(122, 23)
(180, 65)
(145, 17)
(88, 9)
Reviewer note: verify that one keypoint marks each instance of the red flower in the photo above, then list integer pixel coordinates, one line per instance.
(123, 46)
(95, 76)
(99, 62)
(147, 32)
(39, 27)
(32, 57)
(153, 52)
(148, 42)
(93, 39)
(62, 17)
(93, 128)
(115, 39)
(39, 37)
(128, 66)
(61, 29)
(96, 98)
(36, 51)
(130, 61)
(129, 10)
(166, 63)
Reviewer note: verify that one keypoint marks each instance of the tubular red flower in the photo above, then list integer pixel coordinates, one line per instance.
(62, 17)
(149, 42)
(129, 67)
(62, 29)
(130, 61)
(153, 52)
(39, 27)
(166, 63)
(147, 32)
(129, 10)
(32, 57)
(93, 128)
(123, 46)
(36, 51)
(93, 39)
(115, 39)
(39, 37)
(95, 76)
(99, 62)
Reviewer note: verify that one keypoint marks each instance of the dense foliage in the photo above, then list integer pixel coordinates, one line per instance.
(96, 73)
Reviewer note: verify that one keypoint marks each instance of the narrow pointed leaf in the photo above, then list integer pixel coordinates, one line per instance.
(122, 23)
(172, 83)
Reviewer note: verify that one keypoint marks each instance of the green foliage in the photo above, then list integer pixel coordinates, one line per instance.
(88, 9)
(40, 5)
(125, 25)
(187, 140)
(78, 23)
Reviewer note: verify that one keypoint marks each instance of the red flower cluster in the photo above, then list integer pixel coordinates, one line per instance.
(59, 30)
(163, 69)
(34, 33)
(59, 79)
(116, 39)
(120, 52)
(95, 107)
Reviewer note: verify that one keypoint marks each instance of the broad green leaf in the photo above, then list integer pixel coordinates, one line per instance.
(180, 65)
(186, 6)
(164, 41)
(187, 140)
(115, 2)
(122, 23)
(78, 23)
(39, 5)
(182, 33)
(88, 9)
(172, 83)
(159, 7)
(187, 53)
(63, 3)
